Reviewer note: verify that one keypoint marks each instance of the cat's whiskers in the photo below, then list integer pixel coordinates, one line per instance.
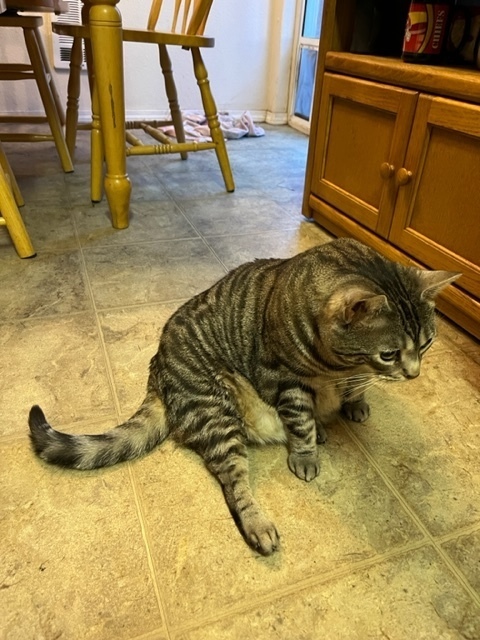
(348, 380)
(361, 387)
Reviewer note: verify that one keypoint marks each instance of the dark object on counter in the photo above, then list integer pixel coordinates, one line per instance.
(463, 40)
(425, 32)
(379, 27)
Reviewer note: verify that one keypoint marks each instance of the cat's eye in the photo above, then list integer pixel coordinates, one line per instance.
(427, 344)
(388, 356)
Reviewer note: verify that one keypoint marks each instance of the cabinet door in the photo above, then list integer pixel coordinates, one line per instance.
(437, 214)
(362, 136)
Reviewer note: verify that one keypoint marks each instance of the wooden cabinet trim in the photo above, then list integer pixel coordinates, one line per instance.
(374, 94)
(455, 115)
(454, 82)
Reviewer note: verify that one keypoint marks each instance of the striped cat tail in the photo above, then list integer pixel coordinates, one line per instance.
(138, 435)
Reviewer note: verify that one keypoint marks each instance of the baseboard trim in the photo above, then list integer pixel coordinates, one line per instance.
(276, 117)
(257, 116)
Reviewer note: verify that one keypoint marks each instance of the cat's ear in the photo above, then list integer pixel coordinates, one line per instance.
(355, 305)
(432, 282)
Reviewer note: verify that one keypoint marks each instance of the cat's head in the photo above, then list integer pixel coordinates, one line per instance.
(389, 332)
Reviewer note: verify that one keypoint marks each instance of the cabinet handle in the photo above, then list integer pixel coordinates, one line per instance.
(404, 176)
(387, 170)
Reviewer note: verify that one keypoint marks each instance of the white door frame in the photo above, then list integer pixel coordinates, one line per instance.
(299, 41)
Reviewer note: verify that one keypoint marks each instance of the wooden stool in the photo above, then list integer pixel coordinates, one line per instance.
(38, 70)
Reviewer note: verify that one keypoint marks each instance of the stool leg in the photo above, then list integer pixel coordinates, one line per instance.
(13, 220)
(11, 178)
(31, 41)
(73, 94)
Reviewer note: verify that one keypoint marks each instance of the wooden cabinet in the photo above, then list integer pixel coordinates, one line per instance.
(394, 160)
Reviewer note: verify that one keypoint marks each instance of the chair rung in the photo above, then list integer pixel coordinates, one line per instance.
(2, 222)
(17, 75)
(176, 147)
(25, 137)
(133, 140)
(139, 124)
(24, 119)
(156, 134)
(11, 66)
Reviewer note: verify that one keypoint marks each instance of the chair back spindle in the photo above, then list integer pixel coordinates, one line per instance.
(194, 16)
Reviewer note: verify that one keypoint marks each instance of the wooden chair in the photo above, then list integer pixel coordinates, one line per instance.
(189, 20)
(10, 200)
(39, 71)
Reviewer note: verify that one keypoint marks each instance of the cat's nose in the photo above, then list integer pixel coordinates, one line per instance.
(411, 368)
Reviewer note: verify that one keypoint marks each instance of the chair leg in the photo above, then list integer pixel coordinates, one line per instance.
(172, 96)
(11, 217)
(107, 46)
(97, 152)
(31, 40)
(212, 118)
(51, 81)
(73, 95)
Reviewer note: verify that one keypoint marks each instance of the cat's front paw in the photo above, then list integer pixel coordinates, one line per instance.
(260, 533)
(357, 411)
(304, 467)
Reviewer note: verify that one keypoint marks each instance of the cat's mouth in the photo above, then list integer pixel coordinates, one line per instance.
(393, 378)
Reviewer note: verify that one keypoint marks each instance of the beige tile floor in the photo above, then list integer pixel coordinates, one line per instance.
(384, 544)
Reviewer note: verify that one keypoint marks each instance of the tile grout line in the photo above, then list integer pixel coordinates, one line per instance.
(135, 491)
(464, 531)
(200, 234)
(301, 585)
(136, 243)
(457, 572)
(150, 635)
(108, 368)
(146, 542)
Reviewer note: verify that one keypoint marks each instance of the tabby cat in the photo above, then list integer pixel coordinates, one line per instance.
(270, 353)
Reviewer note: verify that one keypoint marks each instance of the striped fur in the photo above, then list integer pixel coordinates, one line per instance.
(270, 353)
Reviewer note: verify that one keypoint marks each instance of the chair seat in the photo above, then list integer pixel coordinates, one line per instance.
(43, 6)
(140, 35)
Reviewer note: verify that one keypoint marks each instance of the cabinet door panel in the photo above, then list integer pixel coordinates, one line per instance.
(437, 216)
(363, 130)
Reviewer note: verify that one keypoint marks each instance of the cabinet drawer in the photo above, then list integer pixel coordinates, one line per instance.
(363, 130)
